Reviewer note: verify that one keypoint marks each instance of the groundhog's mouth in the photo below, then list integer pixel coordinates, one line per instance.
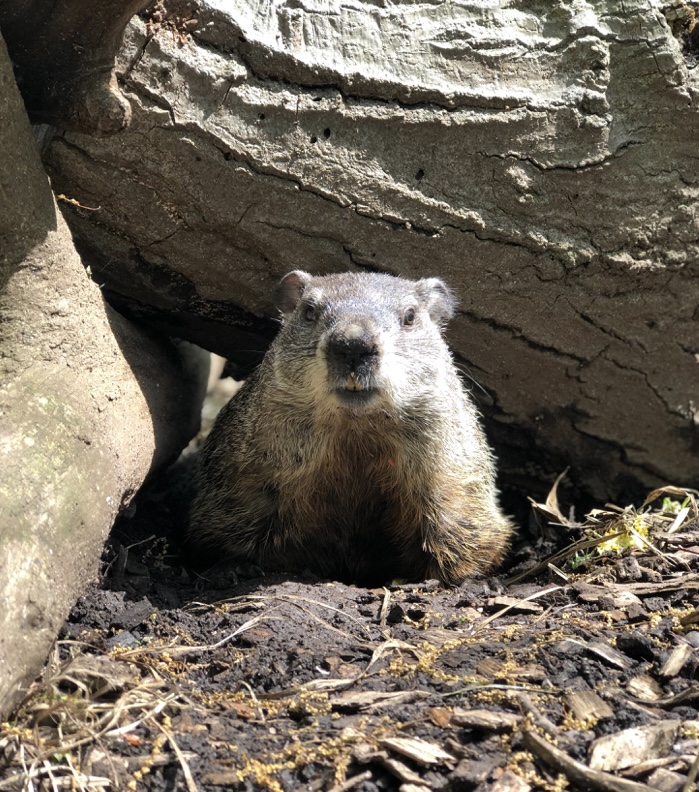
(356, 398)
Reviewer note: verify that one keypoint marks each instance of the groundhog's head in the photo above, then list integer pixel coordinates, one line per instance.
(362, 341)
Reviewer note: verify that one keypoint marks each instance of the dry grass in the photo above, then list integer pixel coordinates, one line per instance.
(62, 733)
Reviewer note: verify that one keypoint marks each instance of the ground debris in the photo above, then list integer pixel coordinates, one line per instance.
(587, 705)
(485, 719)
(679, 656)
(418, 750)
(164, 681)
(576, 772)
(631, 746)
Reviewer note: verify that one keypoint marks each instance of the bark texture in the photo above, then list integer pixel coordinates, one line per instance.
(89, 403)
(539, 156)
(63, 55)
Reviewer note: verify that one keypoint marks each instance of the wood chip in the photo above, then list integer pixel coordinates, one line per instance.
(586, 704)
(685, 537)
(364, 754)
(370, 700)
(678, 657)
(489, 667)
(609, 654)
(631, 746)
(645, 688)
(531, 672)
(419, 751)
(509, 781)
(494, 669)
(485, 719)
(400, 770)
(515, 605)
(577, 772)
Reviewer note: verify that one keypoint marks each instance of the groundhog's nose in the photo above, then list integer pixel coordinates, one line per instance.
(352, 353)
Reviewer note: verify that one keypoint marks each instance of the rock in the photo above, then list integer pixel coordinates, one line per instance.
(556, 197)
(89, 404)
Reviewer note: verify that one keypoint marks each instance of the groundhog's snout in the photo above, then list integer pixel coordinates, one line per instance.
(352, 353)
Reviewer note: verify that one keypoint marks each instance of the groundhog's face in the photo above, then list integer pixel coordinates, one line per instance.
(362, 342)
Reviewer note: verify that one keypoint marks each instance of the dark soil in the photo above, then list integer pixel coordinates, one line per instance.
(166, 680)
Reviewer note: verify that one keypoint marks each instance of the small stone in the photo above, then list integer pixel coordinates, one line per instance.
(124, 640)
(395, 614)
(628, 568)
(474, 771)
(636, 613)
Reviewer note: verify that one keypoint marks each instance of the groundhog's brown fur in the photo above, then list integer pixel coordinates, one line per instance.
(354, 450)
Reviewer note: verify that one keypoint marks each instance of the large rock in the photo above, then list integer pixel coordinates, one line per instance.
(89, 404)
(537, 156)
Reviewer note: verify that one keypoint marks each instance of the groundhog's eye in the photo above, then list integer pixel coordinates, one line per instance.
(310, 313)
(408, 318)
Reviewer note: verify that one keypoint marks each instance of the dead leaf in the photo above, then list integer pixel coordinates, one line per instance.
(440, 716)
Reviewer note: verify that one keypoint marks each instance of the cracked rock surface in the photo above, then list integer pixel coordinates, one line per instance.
(538, 156)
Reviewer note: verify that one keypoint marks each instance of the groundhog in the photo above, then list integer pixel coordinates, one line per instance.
(354, 450)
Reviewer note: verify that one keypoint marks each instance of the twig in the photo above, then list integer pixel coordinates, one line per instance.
(351, 783)
(253, 696)
(383, 613)
(502, 612)
(577, 772)
(528, 707)
(691, 775)
(188, 777)
(499, 686)
(292, 598)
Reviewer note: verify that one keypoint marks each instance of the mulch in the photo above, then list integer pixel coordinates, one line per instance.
(576, 668)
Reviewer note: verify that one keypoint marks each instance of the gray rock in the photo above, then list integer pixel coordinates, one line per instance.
(535, 157)
(89, 404)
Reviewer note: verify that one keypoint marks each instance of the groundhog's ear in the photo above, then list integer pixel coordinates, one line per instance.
(438, 298)
(290, 289)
